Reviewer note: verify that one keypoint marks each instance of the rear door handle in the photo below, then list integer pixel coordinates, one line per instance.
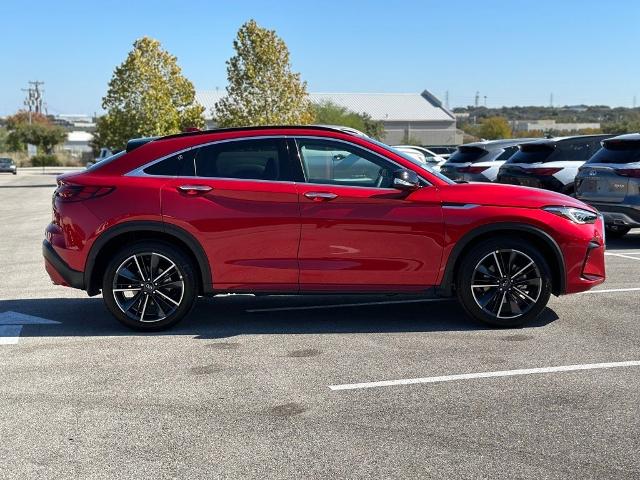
(320, 196)
(195, 189)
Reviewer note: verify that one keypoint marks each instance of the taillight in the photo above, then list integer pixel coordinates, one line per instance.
(471, 169)
(78, 193)
(628, 172)
(544, 171)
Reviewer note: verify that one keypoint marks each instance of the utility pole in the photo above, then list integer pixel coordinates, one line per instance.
(477, 101)
(446, 99)
(34, 98)
(485, 101)
(551, 100)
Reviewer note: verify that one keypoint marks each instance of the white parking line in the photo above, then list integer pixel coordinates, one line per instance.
(343, 305)
(471, 376)
(611, 290)
(622, 256)
(10, 334)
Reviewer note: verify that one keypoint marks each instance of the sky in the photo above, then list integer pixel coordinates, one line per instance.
(514, 52)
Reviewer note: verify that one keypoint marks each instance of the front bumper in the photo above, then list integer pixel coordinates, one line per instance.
(59, 272)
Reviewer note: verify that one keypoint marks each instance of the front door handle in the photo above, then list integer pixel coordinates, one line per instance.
(195, 189)
(320, 196)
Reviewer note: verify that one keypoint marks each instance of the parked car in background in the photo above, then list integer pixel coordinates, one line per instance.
(610, 181)
(550, 163)
(104, 153)
(7, 165)
(432, 159)
(290, 210)
(480, 161)
(442, 150)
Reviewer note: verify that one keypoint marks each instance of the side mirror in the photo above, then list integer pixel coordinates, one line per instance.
(406, 180)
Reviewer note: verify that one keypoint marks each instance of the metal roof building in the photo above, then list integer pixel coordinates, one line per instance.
(407, 117)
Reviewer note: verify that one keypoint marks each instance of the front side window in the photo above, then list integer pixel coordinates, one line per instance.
(337, 163)
(259, 159)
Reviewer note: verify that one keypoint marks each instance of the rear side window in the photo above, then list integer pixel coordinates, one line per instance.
(260, 159)
(508, 153)
(618, 152)
(467, 154)
(170, 166)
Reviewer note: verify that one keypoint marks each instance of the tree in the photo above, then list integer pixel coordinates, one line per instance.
(147, 96)
(494, 128)
(40, 132)
(262, 88)
(328, 113)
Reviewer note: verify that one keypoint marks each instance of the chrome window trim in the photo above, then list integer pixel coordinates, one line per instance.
(139, 172)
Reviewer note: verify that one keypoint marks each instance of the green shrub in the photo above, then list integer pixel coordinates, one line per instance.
(45, 161)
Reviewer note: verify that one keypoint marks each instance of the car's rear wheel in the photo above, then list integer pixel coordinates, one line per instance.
(504, 282)
(149, 286)
(616, 231)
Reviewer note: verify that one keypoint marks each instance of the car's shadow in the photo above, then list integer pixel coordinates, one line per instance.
(223, 317)
(631, 241)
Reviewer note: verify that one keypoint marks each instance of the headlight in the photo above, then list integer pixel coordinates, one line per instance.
(576, 215)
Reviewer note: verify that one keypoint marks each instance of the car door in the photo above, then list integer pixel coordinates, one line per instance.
(238, 199)
(358, 233)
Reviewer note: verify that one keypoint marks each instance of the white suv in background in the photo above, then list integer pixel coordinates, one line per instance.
(480, 161)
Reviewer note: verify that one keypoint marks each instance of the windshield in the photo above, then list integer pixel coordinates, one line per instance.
(414, 161)
(617, 152)
(467, 155)
(5, 161)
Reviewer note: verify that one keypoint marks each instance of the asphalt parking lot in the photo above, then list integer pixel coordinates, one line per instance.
(242, 388)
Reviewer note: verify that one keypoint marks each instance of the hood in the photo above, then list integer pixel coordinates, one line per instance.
(506, 196)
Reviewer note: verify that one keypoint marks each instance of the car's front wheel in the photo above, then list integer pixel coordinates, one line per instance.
(149, 286)
(504, 282)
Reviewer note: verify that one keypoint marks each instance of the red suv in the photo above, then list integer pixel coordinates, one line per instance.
(292, 210)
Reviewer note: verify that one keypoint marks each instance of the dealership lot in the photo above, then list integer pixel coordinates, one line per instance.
(243, 387)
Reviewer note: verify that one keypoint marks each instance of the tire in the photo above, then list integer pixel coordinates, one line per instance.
(616, 231)
(518, 296)
(168, 300)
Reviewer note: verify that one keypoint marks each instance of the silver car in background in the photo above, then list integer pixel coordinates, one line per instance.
(433, 160)
(610, 181)
(480, 161)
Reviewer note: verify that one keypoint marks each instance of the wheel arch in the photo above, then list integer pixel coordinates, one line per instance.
(113, 239)
(548, 246)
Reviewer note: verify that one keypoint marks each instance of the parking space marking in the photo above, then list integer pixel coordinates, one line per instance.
(622, 256)
(10, 334)
(494, 374)
(345, 305)
(611, 290)
(11, 324)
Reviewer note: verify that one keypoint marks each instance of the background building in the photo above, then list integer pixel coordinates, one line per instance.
(418, 118)
(550, 125)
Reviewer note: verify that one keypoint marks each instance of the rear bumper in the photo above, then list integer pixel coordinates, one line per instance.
(623, 215)
(59, 272)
